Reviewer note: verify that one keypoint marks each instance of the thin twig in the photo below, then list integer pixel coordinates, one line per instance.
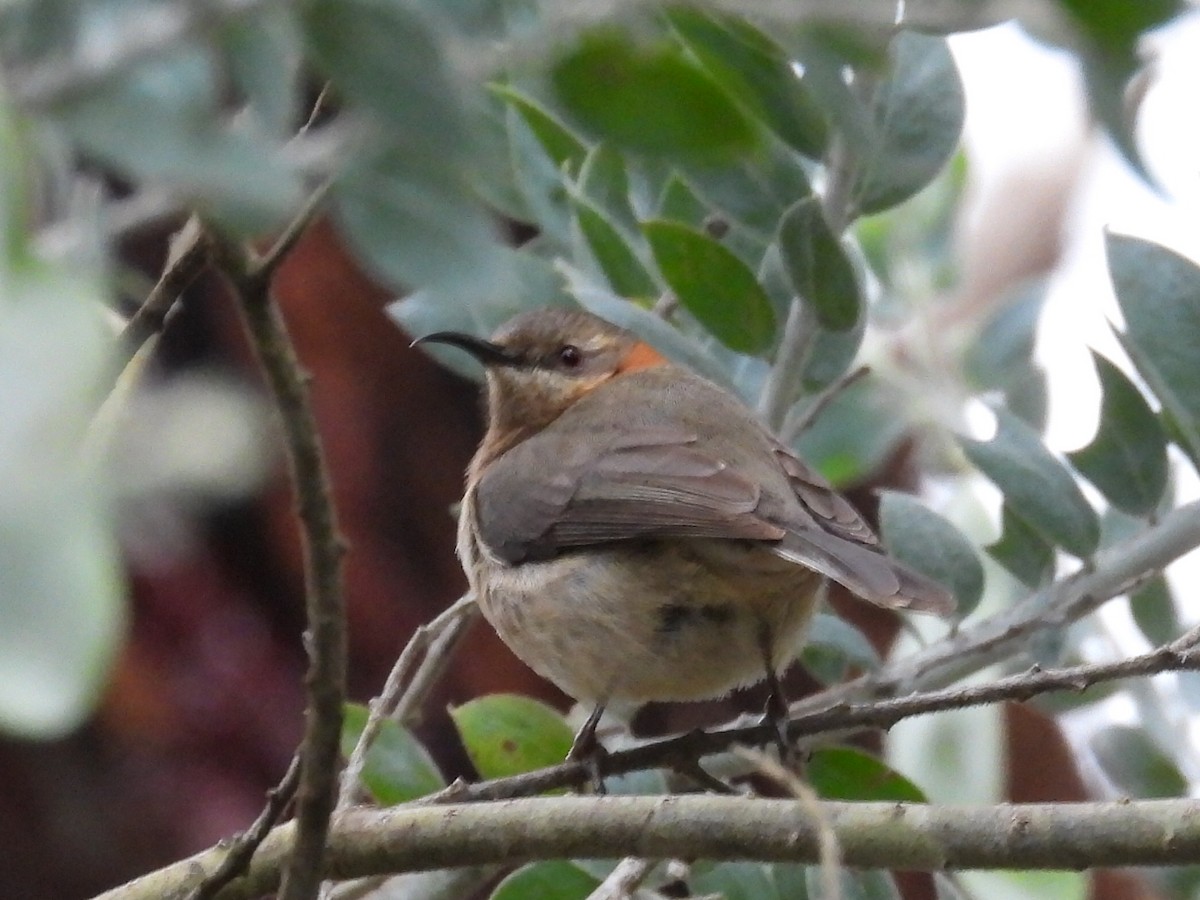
(324, 548)
(383, 706)
(265, 266)
(623, 880)
(779, 389)
(187, 256)
(793, 427)
(242, 848)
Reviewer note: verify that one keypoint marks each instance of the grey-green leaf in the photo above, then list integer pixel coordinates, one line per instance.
(1154, 611)
(1036, 485)
(556, 879)
(924, 540)
(714, 285)
(1159, 294)
(384, 56)
(1026, 555)
(398, 768)
(819, 270)
(832, 645)
(1136, 764)
(1127, 459)
(559, 142)
(756, 72)
(918, 116)
(612, 252)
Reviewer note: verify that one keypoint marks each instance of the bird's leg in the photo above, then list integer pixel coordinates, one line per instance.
(588, 750)
(776, 712)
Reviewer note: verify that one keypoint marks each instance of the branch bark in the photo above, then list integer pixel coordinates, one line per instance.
(325, 638)
(871, 835)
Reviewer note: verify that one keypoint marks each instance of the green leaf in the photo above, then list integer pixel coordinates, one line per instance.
(713, 285)
(383, 55)
(505, 734)
(1154, 611)
(918, 117)
(414, 223)
(854, 434)
(1127, 459)
(1136, 765)
(756, 72)
(649, 98)
(680, 203)
(556, 879)
(559, 142)
(846, 773)
(398, 768)
(1026, 555)
(790, 881)
(604, 180)
(620, 265)
(921, 538)
(1036, 485)
(1159, 294)
(818, 267)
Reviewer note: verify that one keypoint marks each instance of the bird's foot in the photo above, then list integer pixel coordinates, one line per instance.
(776, 716)
(587, 749)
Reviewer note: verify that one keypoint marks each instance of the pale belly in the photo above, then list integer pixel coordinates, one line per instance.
(670, 620)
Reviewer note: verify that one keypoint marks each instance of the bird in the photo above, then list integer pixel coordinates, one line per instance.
(634, 533)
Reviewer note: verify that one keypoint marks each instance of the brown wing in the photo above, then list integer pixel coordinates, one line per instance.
(557, 492)
(553, 493)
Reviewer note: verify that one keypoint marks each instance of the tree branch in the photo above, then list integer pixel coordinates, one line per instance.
(870, 835)
(325, 638)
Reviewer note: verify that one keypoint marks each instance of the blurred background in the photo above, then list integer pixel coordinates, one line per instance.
(202, 707)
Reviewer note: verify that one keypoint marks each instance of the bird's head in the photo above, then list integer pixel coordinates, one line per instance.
(541, 362)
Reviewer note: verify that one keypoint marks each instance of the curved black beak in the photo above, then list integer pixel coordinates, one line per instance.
(486, 352)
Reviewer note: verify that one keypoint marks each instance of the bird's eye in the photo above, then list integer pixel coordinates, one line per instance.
(570, 356)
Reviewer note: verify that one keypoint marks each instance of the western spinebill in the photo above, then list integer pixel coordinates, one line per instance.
(634, 533)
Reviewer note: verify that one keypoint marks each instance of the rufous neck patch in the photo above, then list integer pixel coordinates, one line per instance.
(641, 356)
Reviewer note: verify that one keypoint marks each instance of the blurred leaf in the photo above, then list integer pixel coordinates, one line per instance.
(556, 879)
(560, 144)
(918, 117)
(832, 645)
(1154, 611)
(1006, 341)
(756, 72)
(1159, 294)
(1135, 764)
(383, 56)
(1026, 396)
(543, 185)
(755, 190)
(616, 259)
(733, 881)
(921, 538)
(506, 734)
(680, 203)
(945, 888)
(62, 600)
(183, 140)
(861, 885)
(1127, 459)
(1022, 551)
(818, 267)
(791, 882)
(713, 285)
(263, 54)
(398, 768)
(847, 773)
(854, 434)
(649, 98)
(413, 222)
(1109, 56)
(1036, 485)
(659, 333)
(603, 179)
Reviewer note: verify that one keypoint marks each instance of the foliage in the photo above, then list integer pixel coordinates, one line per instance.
(728, 185)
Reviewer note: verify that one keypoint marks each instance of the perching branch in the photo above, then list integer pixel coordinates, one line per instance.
(870, 835)
(324, 548)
